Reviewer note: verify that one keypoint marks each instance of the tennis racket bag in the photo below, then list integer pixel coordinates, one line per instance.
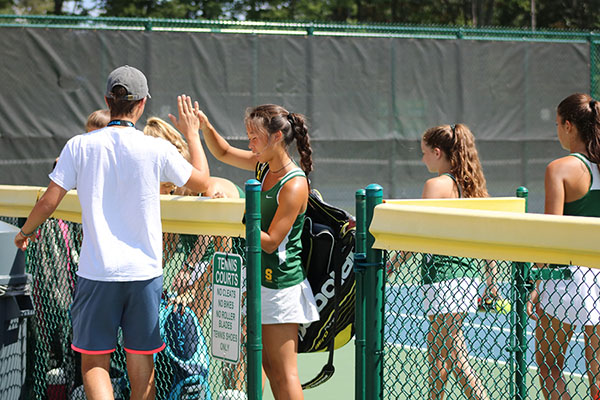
(328, 259)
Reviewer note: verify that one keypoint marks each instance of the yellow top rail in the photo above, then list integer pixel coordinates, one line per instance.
(500, 235)
(180, 214)
(512, 204)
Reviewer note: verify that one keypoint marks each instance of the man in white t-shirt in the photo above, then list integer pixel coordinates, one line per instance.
(117, 171)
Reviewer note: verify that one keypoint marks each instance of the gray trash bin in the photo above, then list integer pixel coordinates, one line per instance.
(12, 260)
(15, 307)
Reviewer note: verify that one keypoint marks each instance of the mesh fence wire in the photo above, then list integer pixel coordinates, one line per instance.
(440, 338)
(450, 332)
(185, 369)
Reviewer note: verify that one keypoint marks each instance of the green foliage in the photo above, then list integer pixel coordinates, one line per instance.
(569, 14)
(27, 6)
(6, 7)
(156, 8)
(560, 14)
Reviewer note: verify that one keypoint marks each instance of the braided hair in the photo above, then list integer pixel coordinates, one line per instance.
(273, 118)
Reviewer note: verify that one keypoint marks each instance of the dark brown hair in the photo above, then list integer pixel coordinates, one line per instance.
(119, 107)
(273, 118)
(584, 112)
(458, 144)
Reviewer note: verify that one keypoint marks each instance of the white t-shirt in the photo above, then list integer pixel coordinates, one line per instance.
(117, 172)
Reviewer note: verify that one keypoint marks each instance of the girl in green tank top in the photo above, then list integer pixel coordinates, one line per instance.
(572, 187)
(284, 196)
(283, 267)
(449, 151)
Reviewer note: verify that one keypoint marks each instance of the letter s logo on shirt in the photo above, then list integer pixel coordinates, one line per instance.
(269, 274)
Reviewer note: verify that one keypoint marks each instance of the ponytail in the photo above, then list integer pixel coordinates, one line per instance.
(583, 112)
(593, 144)
(465, 164)
(458, 145)
(300, 133)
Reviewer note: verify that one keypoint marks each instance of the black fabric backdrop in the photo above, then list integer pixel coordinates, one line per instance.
(367, 99)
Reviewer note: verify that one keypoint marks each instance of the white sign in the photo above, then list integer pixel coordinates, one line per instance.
(227, 298)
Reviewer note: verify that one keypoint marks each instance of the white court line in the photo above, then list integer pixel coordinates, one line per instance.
(489, 360)
(578, 337)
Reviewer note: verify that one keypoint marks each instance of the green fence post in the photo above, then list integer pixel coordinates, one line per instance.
(523, 193)
(359, 274)
(520, 277)
(254, 338)
(374, 286)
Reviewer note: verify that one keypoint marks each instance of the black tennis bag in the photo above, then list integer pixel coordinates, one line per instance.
(328, 259)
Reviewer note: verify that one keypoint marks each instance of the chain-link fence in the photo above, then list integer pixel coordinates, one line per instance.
(438, 339)
(185, 369)
(450, 329)
(467, 328)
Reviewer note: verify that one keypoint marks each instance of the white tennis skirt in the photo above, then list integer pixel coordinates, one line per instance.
(451, 296)
(575, 301)
(295, 304)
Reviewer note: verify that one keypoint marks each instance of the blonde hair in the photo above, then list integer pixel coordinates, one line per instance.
(96, 120)
(458, 144)
(159, 128)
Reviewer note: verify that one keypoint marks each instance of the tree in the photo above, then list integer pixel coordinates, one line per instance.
(563, 14)
(568, 14)
(29, 7)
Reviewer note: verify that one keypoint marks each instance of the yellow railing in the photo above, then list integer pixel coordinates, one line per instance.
(475, 228)
(180, 214)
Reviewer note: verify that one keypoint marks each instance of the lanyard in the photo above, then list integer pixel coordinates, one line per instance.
(120, 122)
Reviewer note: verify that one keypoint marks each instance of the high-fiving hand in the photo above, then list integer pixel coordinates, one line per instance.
(188, 122)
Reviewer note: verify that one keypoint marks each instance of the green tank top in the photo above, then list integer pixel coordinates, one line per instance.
(438, 268)
(241, 192)
(589, 204)
(282, 268)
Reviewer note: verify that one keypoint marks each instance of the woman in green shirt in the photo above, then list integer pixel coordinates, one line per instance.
(572, 186)
(449, 283)
(286, 296)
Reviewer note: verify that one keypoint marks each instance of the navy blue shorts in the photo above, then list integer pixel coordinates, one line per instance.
(100, 308)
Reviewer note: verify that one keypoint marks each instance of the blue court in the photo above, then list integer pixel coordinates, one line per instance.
(488, 334)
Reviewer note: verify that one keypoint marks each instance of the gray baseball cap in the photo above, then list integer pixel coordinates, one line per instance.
(132, 79)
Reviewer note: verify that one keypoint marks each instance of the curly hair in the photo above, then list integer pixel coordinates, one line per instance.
(458, 144)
